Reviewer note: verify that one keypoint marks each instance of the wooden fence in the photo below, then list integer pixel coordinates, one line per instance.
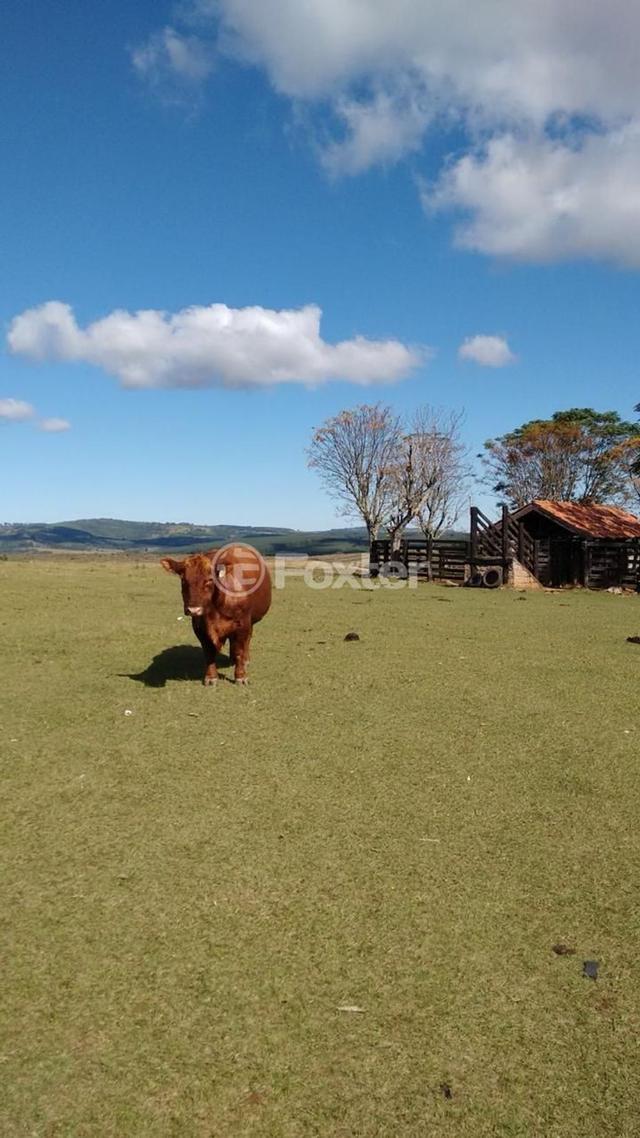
(612, 563)
(438, 559)
(499, 542)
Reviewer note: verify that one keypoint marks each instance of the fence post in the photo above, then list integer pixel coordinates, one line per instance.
(429, 558)
(505, 534)
(473, 535)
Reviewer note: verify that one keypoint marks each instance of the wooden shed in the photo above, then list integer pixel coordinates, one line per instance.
(575, 544)
(544, 543)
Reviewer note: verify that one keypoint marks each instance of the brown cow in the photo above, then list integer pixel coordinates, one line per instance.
(225, 592)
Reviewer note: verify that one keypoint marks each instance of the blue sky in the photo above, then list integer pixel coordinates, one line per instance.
(177, 156)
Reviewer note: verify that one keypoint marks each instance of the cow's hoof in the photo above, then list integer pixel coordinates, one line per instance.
(242, 680)
(210, 681)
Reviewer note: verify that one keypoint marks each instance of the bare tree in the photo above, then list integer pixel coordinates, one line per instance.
(354, 454)
(446, 462)
(415, 474)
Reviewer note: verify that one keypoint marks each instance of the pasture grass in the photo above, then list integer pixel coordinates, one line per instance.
(405, 824)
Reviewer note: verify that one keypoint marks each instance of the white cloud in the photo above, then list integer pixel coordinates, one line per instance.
(172, 62)
(15, 410)
(209, 346)
(379, 129)
(545, 94)
(489, 351)
(575, 56)
(541, 200)
(54, 425)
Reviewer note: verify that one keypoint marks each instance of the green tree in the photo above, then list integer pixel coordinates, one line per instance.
(575, 456)
(635, 465)
(629, 455)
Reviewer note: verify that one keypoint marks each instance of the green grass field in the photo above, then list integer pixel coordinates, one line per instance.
(406, 824)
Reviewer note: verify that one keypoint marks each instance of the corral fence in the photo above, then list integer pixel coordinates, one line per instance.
(499, 542)
(612, 563)
(490, 545)
(435, 559)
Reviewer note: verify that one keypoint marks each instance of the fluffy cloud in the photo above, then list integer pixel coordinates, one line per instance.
(489, 351)
(212, 346)
(522, 59)
(54, 426)
(15, 410)
(173, 63)
(379, 129)
(546, 95)
(543, 200)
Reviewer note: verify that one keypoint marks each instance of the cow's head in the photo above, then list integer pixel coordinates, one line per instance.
(196, 575)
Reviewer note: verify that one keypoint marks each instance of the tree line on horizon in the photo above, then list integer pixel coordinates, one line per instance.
(391, 471)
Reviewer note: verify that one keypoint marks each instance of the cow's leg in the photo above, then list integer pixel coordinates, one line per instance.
(209, 650)
(211, 671)
(241, 642)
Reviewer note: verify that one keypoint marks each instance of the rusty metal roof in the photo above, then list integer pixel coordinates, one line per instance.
(592, 521)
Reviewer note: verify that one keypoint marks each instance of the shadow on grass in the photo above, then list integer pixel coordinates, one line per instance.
(182, 662)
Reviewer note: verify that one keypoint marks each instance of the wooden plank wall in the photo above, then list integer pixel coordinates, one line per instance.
(612, 563)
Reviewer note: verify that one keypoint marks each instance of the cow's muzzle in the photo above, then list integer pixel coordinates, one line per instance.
(195, 611)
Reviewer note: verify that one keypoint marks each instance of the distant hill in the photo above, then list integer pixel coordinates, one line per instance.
(112, 534)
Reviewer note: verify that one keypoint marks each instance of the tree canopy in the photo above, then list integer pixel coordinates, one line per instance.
(577, 455)
(391, 471)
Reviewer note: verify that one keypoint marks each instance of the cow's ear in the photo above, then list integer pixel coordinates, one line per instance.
(172, 566)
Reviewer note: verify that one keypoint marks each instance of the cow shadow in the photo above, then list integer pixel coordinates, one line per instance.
(182, 662)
